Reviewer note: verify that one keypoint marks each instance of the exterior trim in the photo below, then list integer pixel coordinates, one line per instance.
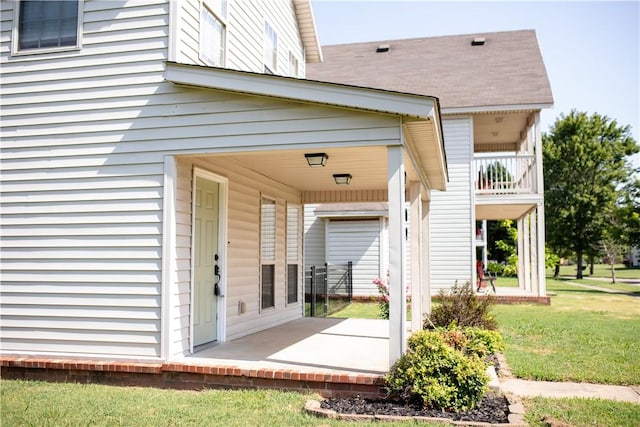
(354, 97)
(495, 108)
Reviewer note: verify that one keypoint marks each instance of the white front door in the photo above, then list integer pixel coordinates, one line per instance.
(206, 261)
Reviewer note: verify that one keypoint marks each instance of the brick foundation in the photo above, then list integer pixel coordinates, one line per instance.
(188, 376)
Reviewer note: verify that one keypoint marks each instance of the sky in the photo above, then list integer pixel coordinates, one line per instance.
(591, 49)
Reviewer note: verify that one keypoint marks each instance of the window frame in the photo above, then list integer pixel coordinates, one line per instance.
(294, 65)
(220, 17)
(273, 67)
(289, 260)
(268, 262)
(15, 34)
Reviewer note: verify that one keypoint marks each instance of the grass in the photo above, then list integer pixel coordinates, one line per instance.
(359, 310)
(54, 404)
(582, 412)
(599, 270)
(585, 335)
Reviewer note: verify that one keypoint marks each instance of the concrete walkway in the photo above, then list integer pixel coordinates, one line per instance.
(526, 388)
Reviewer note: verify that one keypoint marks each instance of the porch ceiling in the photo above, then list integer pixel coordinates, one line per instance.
(500, 211)
(499, 131)
(367, 166)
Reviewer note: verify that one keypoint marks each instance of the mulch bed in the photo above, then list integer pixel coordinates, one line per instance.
(491, 409)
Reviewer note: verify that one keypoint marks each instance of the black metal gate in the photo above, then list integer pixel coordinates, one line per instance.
(327, 288)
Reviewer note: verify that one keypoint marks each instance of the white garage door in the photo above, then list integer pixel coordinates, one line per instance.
(357, 241)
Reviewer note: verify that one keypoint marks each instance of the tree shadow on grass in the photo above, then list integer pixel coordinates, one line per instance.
(592, 289)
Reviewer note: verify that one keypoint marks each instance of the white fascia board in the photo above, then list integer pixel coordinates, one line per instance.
(339, 95)
(308, 31)
(352, 214)
(494, 108)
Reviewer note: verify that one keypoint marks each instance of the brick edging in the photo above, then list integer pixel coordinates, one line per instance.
(185, 375)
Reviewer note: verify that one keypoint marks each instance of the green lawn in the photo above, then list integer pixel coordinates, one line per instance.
(584, 335)
(25, 403)
(582, 412)
(599, 270)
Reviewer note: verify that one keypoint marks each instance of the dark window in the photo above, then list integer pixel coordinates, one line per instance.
(47, 24)
(292, 283)
(268, 286)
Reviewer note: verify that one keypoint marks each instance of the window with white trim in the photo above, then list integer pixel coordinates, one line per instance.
(213, 32)
(47, 26)
(270, 49)
(294, 67)
(293, 252)
(267, 252)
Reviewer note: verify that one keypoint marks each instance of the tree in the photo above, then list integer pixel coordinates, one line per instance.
(586, 162)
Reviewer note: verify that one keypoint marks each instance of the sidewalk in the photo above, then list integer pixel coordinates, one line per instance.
(526, 388)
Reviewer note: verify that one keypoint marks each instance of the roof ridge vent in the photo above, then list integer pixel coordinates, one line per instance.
(383, 48)
(478, 41)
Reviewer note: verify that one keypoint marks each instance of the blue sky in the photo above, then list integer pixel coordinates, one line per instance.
(591, 49)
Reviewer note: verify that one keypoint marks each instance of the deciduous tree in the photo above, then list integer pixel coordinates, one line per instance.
(586, 162)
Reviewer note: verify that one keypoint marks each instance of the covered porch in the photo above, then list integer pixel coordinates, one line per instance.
(331, 356)
(384, 146)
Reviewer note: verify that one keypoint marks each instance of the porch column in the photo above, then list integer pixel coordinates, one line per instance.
(526, 240)
(426, 259)
(520, 243)
(532, 248)
(417, 286)
(540, 241)
(397, 292)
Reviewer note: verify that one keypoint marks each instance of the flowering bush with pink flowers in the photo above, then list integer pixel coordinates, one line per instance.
(383, 300)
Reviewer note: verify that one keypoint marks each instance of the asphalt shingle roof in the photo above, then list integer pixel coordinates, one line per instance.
(507, 70)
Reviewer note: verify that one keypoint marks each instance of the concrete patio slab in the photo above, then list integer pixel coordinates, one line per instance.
(325, 345)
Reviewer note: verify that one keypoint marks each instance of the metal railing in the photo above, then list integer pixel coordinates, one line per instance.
(327, 288)
(505, 173)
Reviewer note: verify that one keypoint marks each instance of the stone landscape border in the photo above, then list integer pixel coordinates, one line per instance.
(516, 415)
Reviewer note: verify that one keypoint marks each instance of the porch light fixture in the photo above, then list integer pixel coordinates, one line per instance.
(316, 159)
(342, 178)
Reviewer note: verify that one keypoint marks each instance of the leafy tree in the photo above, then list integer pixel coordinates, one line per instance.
(586, 161)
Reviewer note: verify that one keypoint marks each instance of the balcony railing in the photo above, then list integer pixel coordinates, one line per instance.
(505, 173)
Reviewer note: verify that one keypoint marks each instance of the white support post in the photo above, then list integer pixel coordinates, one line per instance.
(397, 291)
(417, 287)
(426, 259)
(522, 280)
(532, 250)
(526, 245)
(540, 241)
(169, 256)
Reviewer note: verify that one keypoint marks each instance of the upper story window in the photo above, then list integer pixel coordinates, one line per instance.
(294, 66)
(47, 25)
(212, 32)
(270, 49)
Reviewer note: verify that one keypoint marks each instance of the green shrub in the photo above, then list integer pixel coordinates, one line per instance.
(437, 375)
(461, 307)
(472, 341)
(483, 342)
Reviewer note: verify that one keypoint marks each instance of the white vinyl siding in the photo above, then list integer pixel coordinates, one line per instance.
(244, 34)
(451, 216)
(84, 140)
(82, 224)
(357, 241)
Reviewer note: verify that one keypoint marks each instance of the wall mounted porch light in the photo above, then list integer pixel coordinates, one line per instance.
(316, 159)
(342, 178)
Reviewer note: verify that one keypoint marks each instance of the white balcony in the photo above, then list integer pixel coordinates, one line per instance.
(506, 185)
(505, 173)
